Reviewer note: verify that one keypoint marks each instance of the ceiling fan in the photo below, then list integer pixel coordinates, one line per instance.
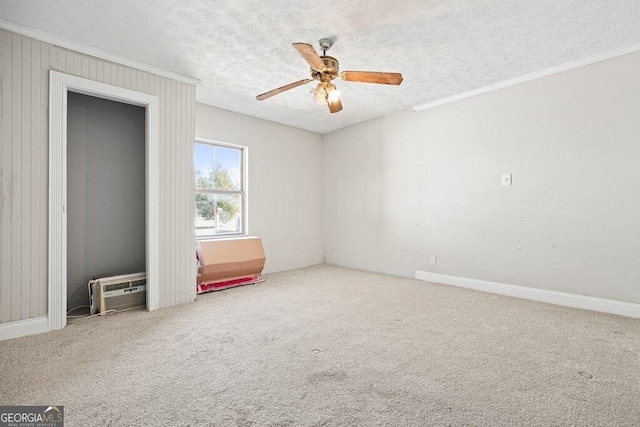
(326, 68)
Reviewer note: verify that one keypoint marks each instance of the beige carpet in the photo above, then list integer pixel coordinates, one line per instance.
(331, 346)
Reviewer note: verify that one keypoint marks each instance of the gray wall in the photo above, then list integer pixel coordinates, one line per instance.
(105, 192)
(24, 159)
(406, 186)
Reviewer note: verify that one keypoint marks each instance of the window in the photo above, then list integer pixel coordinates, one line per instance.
(220, 189)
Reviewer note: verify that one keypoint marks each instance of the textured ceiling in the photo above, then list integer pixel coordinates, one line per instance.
(240, 49)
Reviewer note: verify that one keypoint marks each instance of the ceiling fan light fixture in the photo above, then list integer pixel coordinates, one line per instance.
(326, 92)
(320, 93)
(333, 95)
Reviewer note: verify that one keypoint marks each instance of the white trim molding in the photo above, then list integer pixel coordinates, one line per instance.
(604, 305)
(21, 328)
(98, 53)
(533, 76)
(59, 86)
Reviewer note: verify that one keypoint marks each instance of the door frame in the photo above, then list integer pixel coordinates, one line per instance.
(59, 86)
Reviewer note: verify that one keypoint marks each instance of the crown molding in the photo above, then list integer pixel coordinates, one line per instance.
(534, 76)
(98, 53)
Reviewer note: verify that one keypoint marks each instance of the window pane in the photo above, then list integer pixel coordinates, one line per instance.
(229, 210)
(227, 171)
(218, 214)
(205, 214)
(203, 164)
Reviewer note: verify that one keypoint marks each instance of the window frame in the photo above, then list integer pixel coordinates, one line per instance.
(244, 157)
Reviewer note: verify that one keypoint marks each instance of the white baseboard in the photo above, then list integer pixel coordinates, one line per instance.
(552, 297)
(23, 328)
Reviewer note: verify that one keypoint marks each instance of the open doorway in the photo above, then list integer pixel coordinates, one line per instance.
(60, 87)
(105, 194)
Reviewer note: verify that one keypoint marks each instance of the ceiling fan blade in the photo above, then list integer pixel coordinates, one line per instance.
(372, 77)
(273, 92)
(335, 106)
(310, 55)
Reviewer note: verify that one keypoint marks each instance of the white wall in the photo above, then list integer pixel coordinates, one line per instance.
(285, 184)
(402, 187)
(24, 157)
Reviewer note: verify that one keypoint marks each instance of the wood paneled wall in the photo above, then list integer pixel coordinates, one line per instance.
(24, 133)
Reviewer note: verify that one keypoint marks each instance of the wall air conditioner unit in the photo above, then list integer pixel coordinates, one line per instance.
(118, 292)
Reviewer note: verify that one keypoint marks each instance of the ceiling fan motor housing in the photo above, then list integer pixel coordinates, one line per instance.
(331, 71)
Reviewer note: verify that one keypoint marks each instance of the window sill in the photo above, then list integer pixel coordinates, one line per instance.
(222, 237)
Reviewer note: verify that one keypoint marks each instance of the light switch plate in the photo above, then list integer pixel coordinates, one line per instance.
(506, 179)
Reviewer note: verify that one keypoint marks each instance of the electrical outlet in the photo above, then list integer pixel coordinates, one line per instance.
(506, 179)
(432, 260)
